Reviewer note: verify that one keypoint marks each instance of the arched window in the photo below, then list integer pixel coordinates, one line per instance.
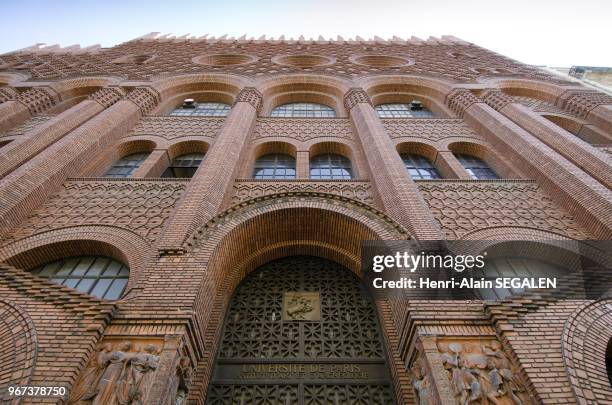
(477, 168)
(127, 165)
(330, 167)
(397, 110)
(303, 110)
(274, 166)
(609, 360)
(99, 276)
(191, 108)
(513, 267)
(184, 166)
(419, 167)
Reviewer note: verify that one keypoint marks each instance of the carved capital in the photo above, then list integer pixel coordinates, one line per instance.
(354, 96)
(37, 99)
(250, 95)
(460, 100)
(496, 98)
(145, 98)
(7, 93)
(581, 102)
(107, 96)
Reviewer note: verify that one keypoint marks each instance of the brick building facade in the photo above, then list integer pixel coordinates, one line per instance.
(147, 241)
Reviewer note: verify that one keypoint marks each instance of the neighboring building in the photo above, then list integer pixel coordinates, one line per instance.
(598, 77)
(181, 221)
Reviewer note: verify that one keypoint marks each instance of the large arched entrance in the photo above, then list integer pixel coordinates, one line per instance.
(301, 330)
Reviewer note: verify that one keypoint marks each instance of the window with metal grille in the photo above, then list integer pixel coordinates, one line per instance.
(398, 110)
(330, 167)
(202, 110)
(303, 110)
(476, 167)
(99, 276)
(419, 167)
(184, 166)
(127, 165)
(274, 166)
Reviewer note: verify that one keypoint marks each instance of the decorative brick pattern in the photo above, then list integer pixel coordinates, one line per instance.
(303, 129)
(145, 98)
(460, 100)
(7, 93)
(355, 190)
(431, 129)
(176, 127)
(141, 206)
(539, 105)
(581, 103)
(37, 99)
(462, 207)
(250, 95)
(354, 96)
(107, 96)
(496, 98)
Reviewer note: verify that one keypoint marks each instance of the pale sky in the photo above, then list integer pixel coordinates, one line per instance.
(539, 32)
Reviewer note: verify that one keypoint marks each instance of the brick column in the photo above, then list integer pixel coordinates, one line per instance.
(399, 194)
(450, 167)
(44, 135)
(206, 191)
(585, 156)
(154, 165)
(21, 106)
(302, 164)
(29, 186)
(594, 106)
(583, 196)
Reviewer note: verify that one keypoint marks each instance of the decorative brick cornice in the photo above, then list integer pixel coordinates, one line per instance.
(145, 98)
(581, 102)
(7, 93)
(496, 98)
(37, 99)
(354, 96)
(107, 96)
(460, 100)
(250, 95)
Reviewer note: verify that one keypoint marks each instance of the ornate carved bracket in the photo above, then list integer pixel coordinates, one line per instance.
(146, 98)
(354, 96)
(107, 96)
(460, 100)
(250, 95)
(496, 98)
(581, 102)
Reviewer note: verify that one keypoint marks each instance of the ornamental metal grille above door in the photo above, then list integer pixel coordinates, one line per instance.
(301, 330)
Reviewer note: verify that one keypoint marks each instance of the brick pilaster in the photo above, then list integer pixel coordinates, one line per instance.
(583, 196)
(302, 164)
(28, 186)
(208, 187)
(44, 135)
(450, 167)
(399, 193)
(590, 159)
(154, 165)
(592, 105)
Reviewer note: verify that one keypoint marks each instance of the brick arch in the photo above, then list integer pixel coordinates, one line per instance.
(541, 90)
(268, 228)
(319, 89)
(586, 336)
(18, 347)
(181, 147)
(117, 243)
(74, 90)
(203, 87)
(423, 147)
(389, 88)
(135, 146)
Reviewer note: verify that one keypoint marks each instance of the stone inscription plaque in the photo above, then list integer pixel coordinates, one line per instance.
(301, 306)
(301, 371)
